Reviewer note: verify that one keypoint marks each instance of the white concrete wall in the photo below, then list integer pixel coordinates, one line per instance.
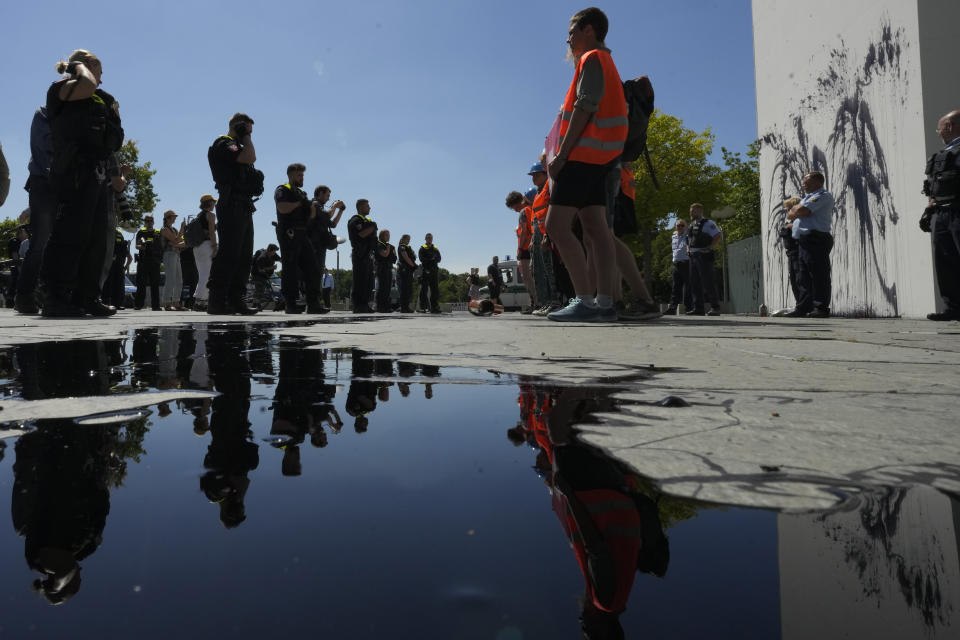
(854, 89)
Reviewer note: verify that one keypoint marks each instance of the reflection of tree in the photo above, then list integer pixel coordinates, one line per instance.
(61, 495)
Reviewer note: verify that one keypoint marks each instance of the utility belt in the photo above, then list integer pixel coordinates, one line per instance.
(821, 235)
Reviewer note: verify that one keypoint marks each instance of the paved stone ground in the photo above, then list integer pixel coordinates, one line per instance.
(783, 413)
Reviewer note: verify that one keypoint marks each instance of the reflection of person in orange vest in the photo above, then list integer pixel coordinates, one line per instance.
(613, 528)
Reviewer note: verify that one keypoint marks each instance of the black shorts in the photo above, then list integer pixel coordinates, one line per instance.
(523, 254)
(582, 185)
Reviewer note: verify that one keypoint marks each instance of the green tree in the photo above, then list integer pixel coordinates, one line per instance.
(742, 192)
(680, 158)
(139, 192)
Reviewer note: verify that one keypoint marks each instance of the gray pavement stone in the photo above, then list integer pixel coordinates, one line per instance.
(785, 413)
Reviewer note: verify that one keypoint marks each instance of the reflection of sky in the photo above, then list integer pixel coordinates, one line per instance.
(429, 520)
(434, 112)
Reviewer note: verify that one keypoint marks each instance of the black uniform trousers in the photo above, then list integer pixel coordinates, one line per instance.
(405, 284)
(148, 275)
(299, 264)
(43, 212)
(113, 288)
(230, 270)
(813, 282)
(946, 255)
(703, 286)
(362, 274)
(430, 280)
(74, 256)
(681, 285)
(384, 284)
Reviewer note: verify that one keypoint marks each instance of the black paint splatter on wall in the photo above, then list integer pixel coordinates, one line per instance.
(853, 160)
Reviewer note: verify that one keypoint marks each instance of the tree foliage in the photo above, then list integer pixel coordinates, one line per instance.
(139, 191)
(681, 162)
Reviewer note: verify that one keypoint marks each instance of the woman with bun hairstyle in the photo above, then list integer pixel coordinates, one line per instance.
(85, 131)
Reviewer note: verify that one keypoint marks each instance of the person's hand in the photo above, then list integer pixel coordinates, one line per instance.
(119, 183)
(926, 219)
(555, 166)
(126, 170)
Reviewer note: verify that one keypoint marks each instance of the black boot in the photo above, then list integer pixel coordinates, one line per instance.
(217, 305)
(57, 304)
(95, 307)
(239, 306)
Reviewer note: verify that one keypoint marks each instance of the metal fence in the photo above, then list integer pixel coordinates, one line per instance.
(745, 261)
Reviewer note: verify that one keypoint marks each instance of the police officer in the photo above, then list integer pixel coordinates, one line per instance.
(148, 244)
(85, 130)
(703, 236)
(385, 256)
(113, 289)
(406, 265)
(321, 223)
(430, 275)
(43, 211)
(942, 216)
(363, 238)
(299, 263)
(231, 159)
(811, 228)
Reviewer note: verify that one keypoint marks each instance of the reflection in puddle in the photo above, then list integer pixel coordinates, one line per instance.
(344, 494)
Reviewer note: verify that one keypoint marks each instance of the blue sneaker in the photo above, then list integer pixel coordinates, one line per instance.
(575, 311)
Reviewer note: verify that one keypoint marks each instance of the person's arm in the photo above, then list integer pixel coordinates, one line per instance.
(716, 239)
(247, 155)
(173, 238)
(80, 87)
(366, 231)
(798, 211)
(138, 241)
(406, 257)
(339, 207)
(590, 89)
(4, 178)
(383, 251)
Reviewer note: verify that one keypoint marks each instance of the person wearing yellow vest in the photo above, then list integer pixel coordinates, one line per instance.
(299, 261)
(593, 130)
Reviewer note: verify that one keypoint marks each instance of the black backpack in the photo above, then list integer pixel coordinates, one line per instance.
(195, 233)
(639, 96)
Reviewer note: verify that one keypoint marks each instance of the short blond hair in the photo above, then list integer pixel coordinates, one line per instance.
(790, 203)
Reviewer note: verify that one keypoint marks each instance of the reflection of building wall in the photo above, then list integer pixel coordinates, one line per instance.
(886, 569)
(849, 89)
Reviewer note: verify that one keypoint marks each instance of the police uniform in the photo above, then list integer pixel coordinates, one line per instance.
(148, 267)
(815, 242)
(298, 260)
(430, 278)
(384, 274)
(362, 258)
(238, 184)
(703, 288)
(943, 185)
(84, 134)
(113, 289)
(405, 276)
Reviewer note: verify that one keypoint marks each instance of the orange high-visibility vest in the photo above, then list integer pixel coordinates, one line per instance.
(524, 229)
(603, 137)
(615, 516)
(626, 183)
(540, 204)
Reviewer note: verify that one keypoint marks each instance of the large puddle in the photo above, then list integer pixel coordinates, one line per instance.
(341, 494)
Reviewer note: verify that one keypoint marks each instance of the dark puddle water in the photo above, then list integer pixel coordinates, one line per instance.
(330, 493)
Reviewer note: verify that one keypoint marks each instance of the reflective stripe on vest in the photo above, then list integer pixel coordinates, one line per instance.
(540, 205)
(602, 139)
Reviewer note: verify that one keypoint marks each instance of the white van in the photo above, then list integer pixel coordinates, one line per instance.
(514, 295)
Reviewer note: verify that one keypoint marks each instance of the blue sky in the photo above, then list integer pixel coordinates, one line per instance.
(433, 111)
